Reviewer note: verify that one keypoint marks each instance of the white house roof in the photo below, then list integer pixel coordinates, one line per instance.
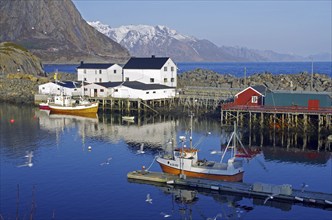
(95, 65)
(146, 62)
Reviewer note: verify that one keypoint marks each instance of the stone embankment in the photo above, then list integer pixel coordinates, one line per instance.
(294, 82)
(21, 88)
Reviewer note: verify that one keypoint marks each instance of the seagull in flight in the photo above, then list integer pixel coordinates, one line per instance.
(148, 199)
(219, 215)
(165, 215)
(216, 152)
(303, 187)
(29, 155)
(107, 161)
(141, 149)
(269, 197)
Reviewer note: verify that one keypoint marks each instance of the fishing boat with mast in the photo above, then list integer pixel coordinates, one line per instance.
(185, 162)
(65, 104)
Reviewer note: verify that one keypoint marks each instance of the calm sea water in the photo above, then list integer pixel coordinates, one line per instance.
(67, 181)
(236, 68)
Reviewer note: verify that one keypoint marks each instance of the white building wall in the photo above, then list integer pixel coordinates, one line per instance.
(94, 90)
(125, 92)
(51, 88)
(112, 74)
(158, 75)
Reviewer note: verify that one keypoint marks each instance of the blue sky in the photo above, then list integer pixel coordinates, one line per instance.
(293, 26)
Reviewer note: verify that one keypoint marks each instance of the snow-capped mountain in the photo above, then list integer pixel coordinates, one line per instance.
(145, 40)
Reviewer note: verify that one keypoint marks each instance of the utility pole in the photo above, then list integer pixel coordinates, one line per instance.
(312, 74)
(245, 77)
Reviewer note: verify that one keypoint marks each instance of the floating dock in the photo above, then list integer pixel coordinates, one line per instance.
(263, 190)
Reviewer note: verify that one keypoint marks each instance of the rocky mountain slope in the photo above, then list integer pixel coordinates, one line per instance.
(16, 59)
(55, 32)
(145, 40)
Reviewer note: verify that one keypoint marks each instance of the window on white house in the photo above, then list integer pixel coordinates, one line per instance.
(165, 68)
(154, 92)
(127, 78)
(172, 68)
(116, 90)
(165, 80)
(172, 79)
(100, 71)
(84, 79)
(254, 99)
(84, 71)
(147, 92)
(101, 90)
(95, 71)
(114, 71)
(100, 80)
(151, 80)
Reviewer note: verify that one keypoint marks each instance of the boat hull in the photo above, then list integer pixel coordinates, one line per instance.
(44, 106)
(238, 177)
(76, 110)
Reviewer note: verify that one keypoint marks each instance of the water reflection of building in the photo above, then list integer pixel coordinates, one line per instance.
(155, 134)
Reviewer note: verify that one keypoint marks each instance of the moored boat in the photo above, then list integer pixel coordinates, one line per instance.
(67, 105)
(185, 162)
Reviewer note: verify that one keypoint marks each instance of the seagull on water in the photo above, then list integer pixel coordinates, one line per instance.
(141, 149)
(165, 215)
(303, 187)
(148, 199)
(29, 155)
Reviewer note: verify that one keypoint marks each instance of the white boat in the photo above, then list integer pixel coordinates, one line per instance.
(185, 162)
(67, 105)
(128, 118)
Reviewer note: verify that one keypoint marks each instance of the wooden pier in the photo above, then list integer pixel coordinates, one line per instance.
(282, 193)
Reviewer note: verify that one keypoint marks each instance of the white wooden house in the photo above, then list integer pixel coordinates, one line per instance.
(99, 72)
(151, 70)
(56, 88)
(130, 89)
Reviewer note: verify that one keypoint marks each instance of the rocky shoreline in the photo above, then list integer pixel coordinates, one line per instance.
(20, 88)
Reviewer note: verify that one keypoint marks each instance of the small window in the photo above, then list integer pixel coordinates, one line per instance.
(84, 71)
(100, 80)
(85, 89)
(254, 99)
(165, 80)
(151, 80)
(95, 71)
(101, 90)
(172, 68)
(154, 92)
(147, 92)
(172, 79)
(114, 71)
(116, 90)
(127, 78)
(84, 79)
(100, 71)
(165, 68)
(43, 88)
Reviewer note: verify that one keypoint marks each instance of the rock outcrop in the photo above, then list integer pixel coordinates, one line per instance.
(16, 59)
(56, 33)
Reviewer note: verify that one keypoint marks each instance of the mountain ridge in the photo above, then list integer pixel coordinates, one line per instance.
(56, 32)
(159, 40)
